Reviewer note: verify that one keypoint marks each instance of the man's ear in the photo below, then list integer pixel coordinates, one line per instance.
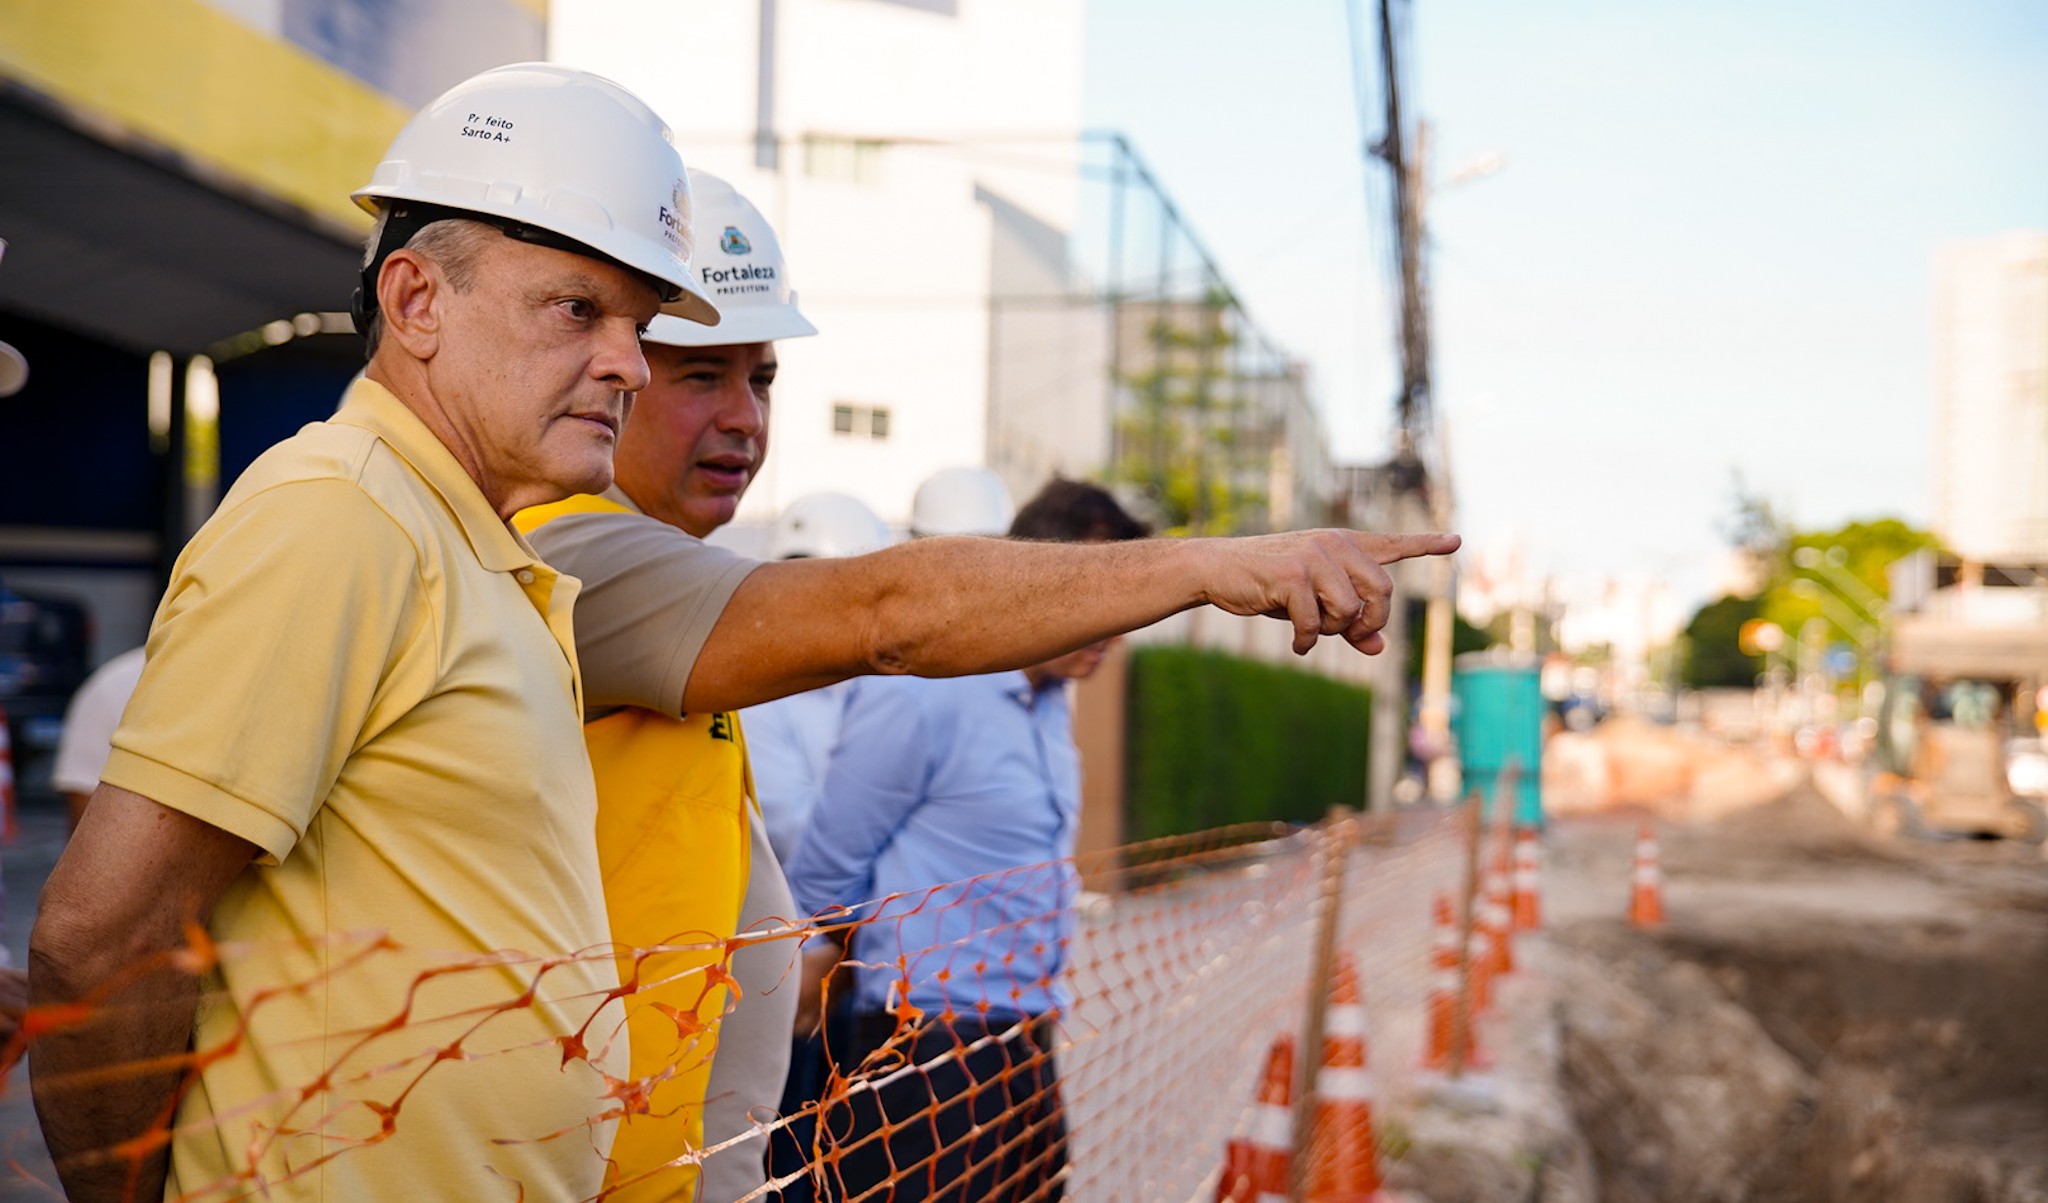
(410, 288)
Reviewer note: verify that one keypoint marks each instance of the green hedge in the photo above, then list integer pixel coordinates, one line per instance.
(1213, 740)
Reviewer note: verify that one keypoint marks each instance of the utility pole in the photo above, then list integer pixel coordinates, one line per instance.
(1419, 472)
(1412, 405)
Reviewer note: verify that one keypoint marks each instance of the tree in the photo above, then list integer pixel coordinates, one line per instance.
(1832, 582)
(1464, 636)
(1757, 531)
(1183, 439)
(1713, 649)
(1836, 562)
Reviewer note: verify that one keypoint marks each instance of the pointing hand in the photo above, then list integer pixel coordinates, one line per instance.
(1325, 582)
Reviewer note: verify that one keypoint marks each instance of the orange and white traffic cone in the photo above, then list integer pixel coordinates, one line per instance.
(1528, 905)
(1344, 1156)
(1443, 985)
(1445, 1029)
(1255, 1166)
(10, 821)
(1479, 960)
(1498, 909)
(1646, 896)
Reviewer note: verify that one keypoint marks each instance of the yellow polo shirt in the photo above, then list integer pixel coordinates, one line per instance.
(361, 669)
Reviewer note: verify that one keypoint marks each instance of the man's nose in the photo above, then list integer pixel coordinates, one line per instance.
(620, 360)
(742, 413)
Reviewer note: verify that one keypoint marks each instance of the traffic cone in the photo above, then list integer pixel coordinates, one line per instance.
(10, 822)
(1443, 996)
(1443, 985)
(1478, 959)
(1499, 912)
(1344, 1161)
(1528, 905)
(1255, 1165)
(1646, 898)
(1478, 969)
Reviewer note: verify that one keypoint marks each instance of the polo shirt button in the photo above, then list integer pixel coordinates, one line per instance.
(525, 576)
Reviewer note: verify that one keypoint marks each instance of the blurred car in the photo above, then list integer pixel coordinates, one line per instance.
(43, 648)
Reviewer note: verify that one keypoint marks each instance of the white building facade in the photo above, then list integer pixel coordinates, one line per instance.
(1991, 398)
(920, 160)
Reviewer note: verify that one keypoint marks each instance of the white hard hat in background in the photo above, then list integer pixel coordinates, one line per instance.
(13, 370)
(961, 501)
(551, 155)
(13, 364)
(739, 265)
(826, 524)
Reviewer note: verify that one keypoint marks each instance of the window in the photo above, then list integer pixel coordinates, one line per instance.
(856, 161)
(861, 421)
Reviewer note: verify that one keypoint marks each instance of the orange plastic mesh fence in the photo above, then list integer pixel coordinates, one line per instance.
(1187, 958)
(1385, 926)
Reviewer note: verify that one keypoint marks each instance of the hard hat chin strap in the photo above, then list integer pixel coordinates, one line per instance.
(406, 218)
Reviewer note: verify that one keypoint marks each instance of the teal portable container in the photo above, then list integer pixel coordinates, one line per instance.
(1499, 722)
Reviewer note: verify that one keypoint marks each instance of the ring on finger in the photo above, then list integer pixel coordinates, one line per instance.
(1360, 616)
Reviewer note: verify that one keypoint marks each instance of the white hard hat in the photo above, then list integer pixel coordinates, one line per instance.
(551, 155)
(826, 524)
(961, 501)
(739, 265)
(13, 370)
(13, 364)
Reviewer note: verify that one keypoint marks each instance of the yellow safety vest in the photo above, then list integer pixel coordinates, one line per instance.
(673, 846)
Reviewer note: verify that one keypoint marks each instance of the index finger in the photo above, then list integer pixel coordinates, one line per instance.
(1389, 548)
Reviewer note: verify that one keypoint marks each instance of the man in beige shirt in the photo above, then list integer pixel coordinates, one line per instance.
(665, 620)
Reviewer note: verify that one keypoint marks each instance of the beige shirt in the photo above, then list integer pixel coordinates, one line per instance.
(651, 594)
(754, 1039)
(360, 669)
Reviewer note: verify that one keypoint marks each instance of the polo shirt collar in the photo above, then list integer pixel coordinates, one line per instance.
(1015, 686)
(377, 409)
(617, 496)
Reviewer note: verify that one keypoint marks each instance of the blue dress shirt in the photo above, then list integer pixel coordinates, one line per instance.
(963, 796)
(789, 745)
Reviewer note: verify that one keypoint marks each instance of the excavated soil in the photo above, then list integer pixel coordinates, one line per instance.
(1825, 1016)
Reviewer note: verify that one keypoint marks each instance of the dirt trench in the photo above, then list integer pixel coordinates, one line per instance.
(1826, 1018)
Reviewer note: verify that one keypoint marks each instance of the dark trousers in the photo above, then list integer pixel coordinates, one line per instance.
(984, 1126)
(793, 1149)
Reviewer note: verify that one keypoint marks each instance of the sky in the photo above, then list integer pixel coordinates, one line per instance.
(1708, 249)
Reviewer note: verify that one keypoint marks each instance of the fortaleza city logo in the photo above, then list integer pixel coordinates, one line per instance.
(755, 277)
(741, 277)
(674, 216)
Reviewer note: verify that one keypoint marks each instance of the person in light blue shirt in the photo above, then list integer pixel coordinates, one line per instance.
(963, 797)
(789, 740)
(789, 746)
(956, 802)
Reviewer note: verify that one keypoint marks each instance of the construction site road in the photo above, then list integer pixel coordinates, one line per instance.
(1825, 1015)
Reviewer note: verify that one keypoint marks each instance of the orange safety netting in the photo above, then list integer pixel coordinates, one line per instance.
(1189, 956)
